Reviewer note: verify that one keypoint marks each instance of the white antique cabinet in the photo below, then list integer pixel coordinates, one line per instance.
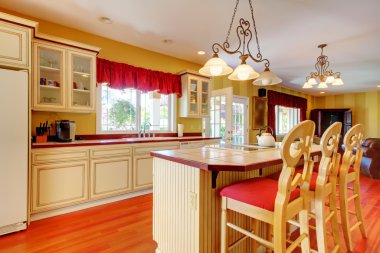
(64, 78)
(195, 99)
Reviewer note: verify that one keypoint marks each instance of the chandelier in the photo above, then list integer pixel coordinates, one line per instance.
(323, 76)
(218, 67)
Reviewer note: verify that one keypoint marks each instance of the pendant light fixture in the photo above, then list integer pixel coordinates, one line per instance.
(322, 75)
(217, 66)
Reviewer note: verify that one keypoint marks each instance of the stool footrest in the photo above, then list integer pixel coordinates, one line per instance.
(352, 197)
(357, 224)
(253, 236)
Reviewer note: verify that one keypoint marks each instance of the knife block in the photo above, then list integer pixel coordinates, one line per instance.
(41, 138)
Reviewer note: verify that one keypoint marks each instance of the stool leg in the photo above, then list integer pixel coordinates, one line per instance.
(304, 222)
(255, 224)
(344, 212)
(269, 231)
(334, 219)
(320, 224)
(358, 208)
(279, 238)
(224, 232)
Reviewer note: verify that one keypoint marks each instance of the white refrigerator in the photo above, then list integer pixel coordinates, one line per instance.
(13, 150)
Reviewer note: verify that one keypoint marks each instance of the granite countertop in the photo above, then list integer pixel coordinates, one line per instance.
(118, 141)
(215, 158)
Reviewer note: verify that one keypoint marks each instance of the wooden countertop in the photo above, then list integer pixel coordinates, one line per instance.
(221, 159)
(117, 141)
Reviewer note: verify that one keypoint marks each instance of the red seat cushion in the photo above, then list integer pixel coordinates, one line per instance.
(351, 169)
(276, 175)
(313, 179)
(259, 192)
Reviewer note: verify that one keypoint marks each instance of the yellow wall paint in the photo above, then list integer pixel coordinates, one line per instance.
(365, 108)
(115, 51)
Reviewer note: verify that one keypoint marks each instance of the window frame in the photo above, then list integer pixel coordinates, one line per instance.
(172, 110)
(295, 118)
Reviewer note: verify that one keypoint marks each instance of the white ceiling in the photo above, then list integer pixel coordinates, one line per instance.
(289, 31)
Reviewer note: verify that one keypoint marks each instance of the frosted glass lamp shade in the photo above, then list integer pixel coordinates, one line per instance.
(330, 79)
(215, 67)
(267, 78)
(312, 81)
(307, 86)
(243, 72)
(322, 85)
(338, 81)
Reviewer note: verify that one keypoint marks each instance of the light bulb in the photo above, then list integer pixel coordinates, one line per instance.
(243, 75)
(330, 79)
(216, 70)
(322, 85)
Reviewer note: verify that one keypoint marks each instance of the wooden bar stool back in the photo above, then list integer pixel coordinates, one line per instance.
(274, 202)
(350, 173)
(323, 187)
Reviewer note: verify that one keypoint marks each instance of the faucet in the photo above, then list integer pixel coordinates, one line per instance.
(145, 125)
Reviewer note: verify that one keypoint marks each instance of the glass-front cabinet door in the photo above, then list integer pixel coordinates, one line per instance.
(205, 98)
(193, 97)
(81, 81)
(49, 77)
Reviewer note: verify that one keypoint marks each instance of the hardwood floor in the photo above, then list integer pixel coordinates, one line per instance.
(126, 226)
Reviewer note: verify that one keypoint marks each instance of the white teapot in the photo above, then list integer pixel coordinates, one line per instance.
(266, 139)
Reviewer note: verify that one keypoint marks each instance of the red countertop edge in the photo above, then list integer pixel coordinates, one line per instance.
(98, 142)
(220, 167)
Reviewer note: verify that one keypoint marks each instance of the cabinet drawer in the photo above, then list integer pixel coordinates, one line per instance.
(59, 184)
(119, 150)
(15, 45)
(54, 155)
(147, 148)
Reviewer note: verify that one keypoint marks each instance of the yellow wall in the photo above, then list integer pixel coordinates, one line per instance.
(365, 108)
(120, 52)
(114, 51)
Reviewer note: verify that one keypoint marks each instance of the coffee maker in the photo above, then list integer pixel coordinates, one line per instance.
(65, 130)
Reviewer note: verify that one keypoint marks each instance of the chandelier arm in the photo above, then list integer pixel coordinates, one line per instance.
(216, 48)
(232, 21)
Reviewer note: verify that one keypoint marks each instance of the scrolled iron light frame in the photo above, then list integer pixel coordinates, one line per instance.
(244, 35)
(322, 72)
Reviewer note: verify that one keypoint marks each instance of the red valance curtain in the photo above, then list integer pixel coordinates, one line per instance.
(123, 76)
(277, 98)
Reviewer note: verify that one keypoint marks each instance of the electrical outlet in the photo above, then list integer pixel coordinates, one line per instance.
(193, 200)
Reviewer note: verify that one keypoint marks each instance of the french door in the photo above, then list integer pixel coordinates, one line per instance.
(228, 116)
(240, 112)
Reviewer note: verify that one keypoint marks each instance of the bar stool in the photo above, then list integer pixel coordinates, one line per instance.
(323, 187)
(350, 173)
(274, 202)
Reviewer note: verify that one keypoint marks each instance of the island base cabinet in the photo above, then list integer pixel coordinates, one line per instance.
(143, 172)
(186, 209)
(58, 185)
(110, 176)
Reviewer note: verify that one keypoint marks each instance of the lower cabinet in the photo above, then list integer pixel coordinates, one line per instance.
(59, 184)
(110, 176)
(143, 172)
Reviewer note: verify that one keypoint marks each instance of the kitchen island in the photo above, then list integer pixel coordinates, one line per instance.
(186, 184)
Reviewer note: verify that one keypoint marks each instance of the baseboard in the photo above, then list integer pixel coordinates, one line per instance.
(47, 214)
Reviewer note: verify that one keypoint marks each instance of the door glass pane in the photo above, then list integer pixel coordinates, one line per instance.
(204, 97)
(238, 129)
(218, 116)
(81, 76)
(50, 76)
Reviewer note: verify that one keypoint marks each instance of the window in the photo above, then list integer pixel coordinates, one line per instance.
(130, 110)
(286, 119)
(218, 116)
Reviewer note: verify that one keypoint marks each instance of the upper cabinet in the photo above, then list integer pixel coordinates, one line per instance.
(194, 102)
(15, 42)
(64, 78)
